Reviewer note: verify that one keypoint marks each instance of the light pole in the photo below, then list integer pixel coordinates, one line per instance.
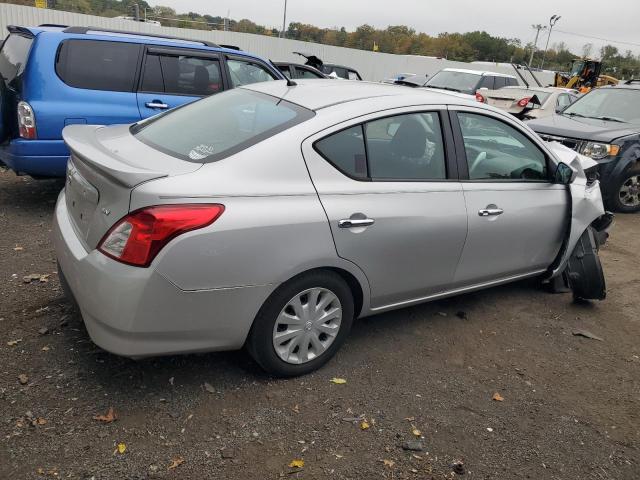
(552, 22)
(284, 20)
(535, 43)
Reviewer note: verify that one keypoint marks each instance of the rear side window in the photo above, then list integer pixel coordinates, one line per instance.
(304, 73)
(487, 82)
(98, 65)
(181, 75)
(345, 151)
(499, 82)
(13, 57)
(219, 126)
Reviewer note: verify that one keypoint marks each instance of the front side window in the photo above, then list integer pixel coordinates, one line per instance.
(499, 82)
(182, 75)
(496, 151)
(220, 125)
(564, 100)
(402, 147)
(245, 73)
(98, 65)
(13, 57)
(456, 81)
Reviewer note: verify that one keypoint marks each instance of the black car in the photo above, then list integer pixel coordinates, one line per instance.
(330, 69)
(604, 125)
(297, 71)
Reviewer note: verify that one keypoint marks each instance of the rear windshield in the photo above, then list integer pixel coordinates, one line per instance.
(219, 126)
(13, 57)
(463, 82)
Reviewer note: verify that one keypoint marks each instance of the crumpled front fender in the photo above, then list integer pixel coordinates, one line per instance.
(586, 207)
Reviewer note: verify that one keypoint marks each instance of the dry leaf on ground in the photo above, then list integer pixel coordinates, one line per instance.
(175, 463)
(497, 397)
(415, 431)
(23, 379)
(297, 463)
(121, 448)
(338, 381)
(364, 425)
(111, 416)
(388, 463)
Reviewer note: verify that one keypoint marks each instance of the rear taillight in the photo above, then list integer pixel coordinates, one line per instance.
(137, 238)
(480, 98)
(26, 121)
(524, 102)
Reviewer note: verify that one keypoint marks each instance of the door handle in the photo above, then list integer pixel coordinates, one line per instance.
(356, 222)
(157, 104)
(491, 210)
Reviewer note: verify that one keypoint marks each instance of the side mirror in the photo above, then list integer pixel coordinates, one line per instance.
(564, 174)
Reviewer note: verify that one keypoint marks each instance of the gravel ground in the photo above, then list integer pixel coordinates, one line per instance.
(570, 405)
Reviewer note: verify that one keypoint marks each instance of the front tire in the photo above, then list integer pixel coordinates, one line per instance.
(302, 324)
(626, 194)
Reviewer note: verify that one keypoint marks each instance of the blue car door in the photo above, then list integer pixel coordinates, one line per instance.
(174, 76)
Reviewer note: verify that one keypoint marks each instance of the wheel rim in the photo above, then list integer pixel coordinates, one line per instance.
(307, 325)
(630, 191)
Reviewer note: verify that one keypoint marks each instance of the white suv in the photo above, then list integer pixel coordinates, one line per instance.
(469, 82)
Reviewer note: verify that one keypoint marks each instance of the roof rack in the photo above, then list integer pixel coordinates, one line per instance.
(231, 47)
(632, 80)
(84, 30)
(52, 25)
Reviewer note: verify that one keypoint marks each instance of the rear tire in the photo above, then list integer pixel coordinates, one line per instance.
(626, 193)
(309, 347)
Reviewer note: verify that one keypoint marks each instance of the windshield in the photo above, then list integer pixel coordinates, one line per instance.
(219, 126)
(457, 81)
(613, 104)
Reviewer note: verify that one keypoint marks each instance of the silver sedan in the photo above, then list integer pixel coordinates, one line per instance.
(273, 215)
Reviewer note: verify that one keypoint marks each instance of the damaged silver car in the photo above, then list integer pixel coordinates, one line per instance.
(273, 215)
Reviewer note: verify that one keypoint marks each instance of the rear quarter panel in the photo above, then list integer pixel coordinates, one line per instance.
(273, 227)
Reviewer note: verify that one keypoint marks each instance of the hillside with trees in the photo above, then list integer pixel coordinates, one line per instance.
(399, 39)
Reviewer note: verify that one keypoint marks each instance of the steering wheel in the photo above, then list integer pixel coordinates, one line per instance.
(482, 156)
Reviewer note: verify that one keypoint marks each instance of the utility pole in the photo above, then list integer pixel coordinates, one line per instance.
(284, 20)
(137, 12)
(552, 22)
(537, 27)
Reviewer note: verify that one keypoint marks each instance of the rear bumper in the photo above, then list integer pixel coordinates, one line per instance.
(39, 158)
(136, 312)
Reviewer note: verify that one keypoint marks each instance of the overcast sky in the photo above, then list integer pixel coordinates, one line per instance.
(608, 19)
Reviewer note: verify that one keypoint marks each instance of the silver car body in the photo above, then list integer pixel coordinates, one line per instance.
(283, 204)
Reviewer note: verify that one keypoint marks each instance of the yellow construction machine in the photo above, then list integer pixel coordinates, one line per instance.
(584, 75)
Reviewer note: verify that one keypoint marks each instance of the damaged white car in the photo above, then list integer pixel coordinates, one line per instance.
(273, 215)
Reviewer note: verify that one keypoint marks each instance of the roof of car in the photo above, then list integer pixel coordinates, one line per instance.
(135, 37)
(477, 72)
(318, 94)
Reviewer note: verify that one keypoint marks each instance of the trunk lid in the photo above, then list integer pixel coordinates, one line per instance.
(105, 165)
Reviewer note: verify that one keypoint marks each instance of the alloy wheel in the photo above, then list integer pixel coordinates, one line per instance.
(630, 191)
(307, 325)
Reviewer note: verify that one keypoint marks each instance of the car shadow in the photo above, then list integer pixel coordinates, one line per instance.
(224, 370)
(29, 194)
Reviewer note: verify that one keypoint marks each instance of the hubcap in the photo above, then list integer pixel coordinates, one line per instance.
(630, 192)
(307, 325)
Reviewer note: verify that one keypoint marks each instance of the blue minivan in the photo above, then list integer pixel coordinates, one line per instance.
(54, 76)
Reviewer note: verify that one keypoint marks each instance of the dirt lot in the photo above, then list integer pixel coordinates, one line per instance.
(570, 408)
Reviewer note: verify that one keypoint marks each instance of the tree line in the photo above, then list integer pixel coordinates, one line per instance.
(398, 39)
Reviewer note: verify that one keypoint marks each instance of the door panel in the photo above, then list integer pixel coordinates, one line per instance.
(526, 237)
(169, 80)
(407, 236)
(516, 216)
